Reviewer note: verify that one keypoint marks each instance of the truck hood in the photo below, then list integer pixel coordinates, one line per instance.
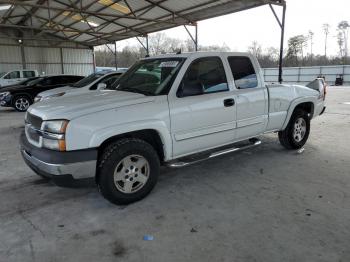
(74, 106)
(55, 91)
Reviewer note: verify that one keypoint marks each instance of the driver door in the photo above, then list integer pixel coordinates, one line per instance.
(203, 110)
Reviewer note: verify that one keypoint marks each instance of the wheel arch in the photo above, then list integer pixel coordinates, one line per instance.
(150, 136)
(306, 103)
(21, 94)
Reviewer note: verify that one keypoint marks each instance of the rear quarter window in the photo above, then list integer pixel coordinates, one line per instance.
(243, 72)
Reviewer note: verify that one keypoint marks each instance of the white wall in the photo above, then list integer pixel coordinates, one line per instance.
(303, 75)
(68, 59)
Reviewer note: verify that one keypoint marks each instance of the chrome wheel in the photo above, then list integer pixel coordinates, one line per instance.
(22, 104)
(131, 174)
(299, 129)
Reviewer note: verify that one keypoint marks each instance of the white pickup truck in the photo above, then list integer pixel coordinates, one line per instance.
(169, 110)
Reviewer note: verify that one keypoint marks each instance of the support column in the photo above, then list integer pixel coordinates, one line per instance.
(147, 46)
(196, 37)
(62, 65)
(93, 59)
(280, 66)
(115, 55)
(23, 56)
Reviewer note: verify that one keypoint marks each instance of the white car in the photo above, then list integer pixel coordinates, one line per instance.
(16, 76)
(169, 110)
(99, 80)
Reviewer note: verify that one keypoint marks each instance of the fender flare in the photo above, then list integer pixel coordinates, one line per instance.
(295, 103)
(101, 135)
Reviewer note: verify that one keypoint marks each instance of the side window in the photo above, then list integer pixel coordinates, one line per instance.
(205, 75)
(47, 81)
(243, 72)
(13, 75)
(28, 74)
(110, 80)
(64, 80)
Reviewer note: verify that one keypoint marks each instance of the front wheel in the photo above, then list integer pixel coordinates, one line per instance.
(297, 131)
(22, 103)
(128, 171)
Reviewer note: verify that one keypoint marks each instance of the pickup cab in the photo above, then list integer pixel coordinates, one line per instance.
(16, 76)
(170, 110)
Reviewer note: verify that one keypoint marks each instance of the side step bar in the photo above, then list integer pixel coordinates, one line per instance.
(186, 161)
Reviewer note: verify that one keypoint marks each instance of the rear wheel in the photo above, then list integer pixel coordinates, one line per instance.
(22, 103)
(128, 171)
(297, 131)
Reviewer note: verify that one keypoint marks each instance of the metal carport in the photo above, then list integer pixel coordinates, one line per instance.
(88, 23)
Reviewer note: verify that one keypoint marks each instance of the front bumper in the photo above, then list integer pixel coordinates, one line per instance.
(62, 167)
(6, 101)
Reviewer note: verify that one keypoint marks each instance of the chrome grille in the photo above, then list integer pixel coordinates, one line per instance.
(34, 121)
(32, 125)
(33, 135)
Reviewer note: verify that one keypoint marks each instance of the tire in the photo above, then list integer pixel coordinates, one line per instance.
(127, 171)
(22, 103)
(297, 131)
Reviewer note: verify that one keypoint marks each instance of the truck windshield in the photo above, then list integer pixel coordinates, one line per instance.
(87, 80)
(150, 77)
(2, 74)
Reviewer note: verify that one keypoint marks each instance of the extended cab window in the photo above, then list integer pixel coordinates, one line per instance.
(243, 72)
(203, 76)
(28, 74)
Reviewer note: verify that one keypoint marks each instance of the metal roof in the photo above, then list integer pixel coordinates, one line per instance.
(96, 22)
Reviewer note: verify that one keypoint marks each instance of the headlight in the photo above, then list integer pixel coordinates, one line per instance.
(4, 94)
(37, 99)
(54, 134)
(55, 126)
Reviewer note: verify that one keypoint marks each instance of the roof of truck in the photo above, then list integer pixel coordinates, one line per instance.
(199, 54)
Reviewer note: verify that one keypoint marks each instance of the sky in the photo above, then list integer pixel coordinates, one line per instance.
(239, 30)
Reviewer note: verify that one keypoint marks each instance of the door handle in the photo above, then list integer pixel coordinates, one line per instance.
(229, 102)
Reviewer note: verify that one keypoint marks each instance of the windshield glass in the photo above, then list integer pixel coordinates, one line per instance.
(87, 80)
(2, 74)
(33, 82)
(150, 76)
(27, 81)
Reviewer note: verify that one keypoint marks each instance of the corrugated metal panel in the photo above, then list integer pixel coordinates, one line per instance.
(8, 67)
(42, 55)
(303, 75)
(10, 54)
(46, 69)
(82, 70)
(77, 55)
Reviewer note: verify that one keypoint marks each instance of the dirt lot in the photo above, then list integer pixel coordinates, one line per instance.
(263, 204)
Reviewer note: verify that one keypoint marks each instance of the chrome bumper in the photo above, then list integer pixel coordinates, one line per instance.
(78, 170)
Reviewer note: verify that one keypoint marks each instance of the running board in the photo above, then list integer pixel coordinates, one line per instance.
(186, 161)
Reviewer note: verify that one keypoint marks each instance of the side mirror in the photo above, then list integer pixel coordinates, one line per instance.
(101, 86)
(190, 89)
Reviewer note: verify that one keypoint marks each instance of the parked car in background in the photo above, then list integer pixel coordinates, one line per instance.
(16, 76)
(22, 96)
(100, 80)
(172, 110)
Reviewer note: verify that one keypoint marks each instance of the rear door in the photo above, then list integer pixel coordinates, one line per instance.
(202, 120)
(252, 97)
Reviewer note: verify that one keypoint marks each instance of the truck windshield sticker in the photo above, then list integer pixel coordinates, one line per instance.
(169, 64)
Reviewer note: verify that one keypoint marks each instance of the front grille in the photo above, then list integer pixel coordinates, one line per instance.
(33, 135)
(34, 121)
